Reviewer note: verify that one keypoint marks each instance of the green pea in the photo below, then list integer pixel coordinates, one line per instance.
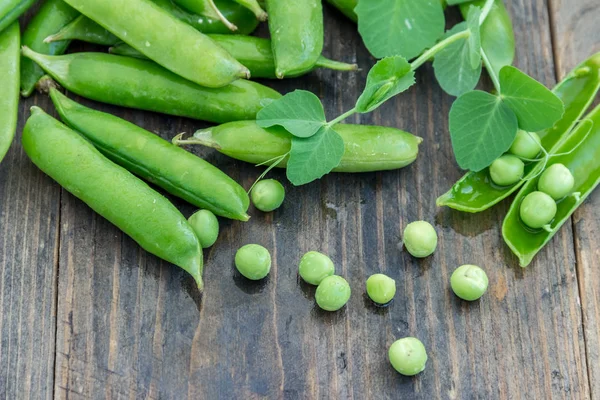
(537, 209)
(408, 356)
(556, 181)
(314, 267)
(526, 145)
(507, 170)
(420, 239)
(332, 293)
(469, 282)
(206, 227)
(267, 195)
(253, 261)
(381, 288)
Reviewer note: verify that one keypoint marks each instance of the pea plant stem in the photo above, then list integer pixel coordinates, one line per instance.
(487, 7)
(342, 117)
(423, 58)
(491, 72)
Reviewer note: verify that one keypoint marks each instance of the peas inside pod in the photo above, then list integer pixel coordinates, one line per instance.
(408, 356)
(206, 227)
(267, 195)
(526, 145)
(332, 293)
(381, 288)
(507, 170)
(253, 261)
(469, 282)
(537, 210)
(556, 181)
(420, 239)
(314, 267)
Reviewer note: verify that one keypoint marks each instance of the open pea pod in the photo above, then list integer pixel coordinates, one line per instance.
(582, 146)
(475, 192)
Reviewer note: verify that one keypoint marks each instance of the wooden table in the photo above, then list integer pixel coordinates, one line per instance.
(87, 314)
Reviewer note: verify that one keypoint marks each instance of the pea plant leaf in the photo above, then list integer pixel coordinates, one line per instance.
(535, 106)
(474, 40)
(389, 77)
(452, 65)
(482, 128)
(399, 27)
(314, 156)
(299, 112)
(455, 2)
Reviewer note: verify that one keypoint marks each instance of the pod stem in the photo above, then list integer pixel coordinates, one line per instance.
(202, 137)
(324, 62)
(256, 9)
(45, 84)
(221, 17)
(60, 35)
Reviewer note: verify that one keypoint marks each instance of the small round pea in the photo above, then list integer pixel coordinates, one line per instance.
(253, 261)
(420, 239)
(556, 181)
(332, 293)
(507, 170)
(537, 209)
(381, 288)
(267, 195)
(526, 145)
(314, 267)
(408, 356)
(206, 227)
(469, 282)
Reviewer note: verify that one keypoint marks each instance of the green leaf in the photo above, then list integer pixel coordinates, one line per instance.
(475, 37)
(299, 112)
(455, 2)
(482, 128)
(387, 78)
(536, 107)
(313, 157)
(399, 27)
(452, 66)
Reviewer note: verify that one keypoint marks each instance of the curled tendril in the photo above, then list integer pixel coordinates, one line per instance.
(275, 161)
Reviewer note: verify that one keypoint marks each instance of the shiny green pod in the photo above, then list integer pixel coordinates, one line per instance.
(297, 34)
(346, 7)
(142, 84)
(584, 163)
(114, 193)
(52, 16)
(156, 160)
(254, 52)
(83, 28)
(11, 10)
(474, 192)
(9, 82)
(367, 148)
(176, 46)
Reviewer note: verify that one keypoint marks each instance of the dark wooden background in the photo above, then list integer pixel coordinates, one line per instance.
(85, 313)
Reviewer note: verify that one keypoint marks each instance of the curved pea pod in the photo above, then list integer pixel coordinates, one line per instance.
(114, 193)
(254, 52)
(9, 82)
(156, 160)
(297, 34)
(11, 10)
(142, 84)
(583, 160)
(84, 29)
(52, 15)
(346, 7)
(367, 148)
(176, 46)
(497, 36)
(474, 192)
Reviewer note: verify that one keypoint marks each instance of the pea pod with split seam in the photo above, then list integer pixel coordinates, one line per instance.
(11, 10)
(579, 153)
(9, 82)
(176, 45)
(254, 52)
(142, 84)
(53, 15)
(156, 160)
(367, 148)
(474, 192)
(114, 193)
(297, 34)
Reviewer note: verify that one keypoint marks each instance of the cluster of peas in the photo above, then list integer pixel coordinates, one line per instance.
(538, 208)
(408, 355)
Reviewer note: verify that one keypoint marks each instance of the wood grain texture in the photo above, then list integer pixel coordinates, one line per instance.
(130, 326)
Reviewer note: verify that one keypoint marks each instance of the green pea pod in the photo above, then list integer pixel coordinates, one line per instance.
(368, 148)
(346, 7)
(114, 193)
(53, 15)
(497, 36)
(84, 29)
(207, 8)
(579, 153)
(9, 82)
(176, 45)
(156, 160)
(11, 10)
(254, 52)
(142, 84)
(297, 34)
(256, 9)
(474, 192)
